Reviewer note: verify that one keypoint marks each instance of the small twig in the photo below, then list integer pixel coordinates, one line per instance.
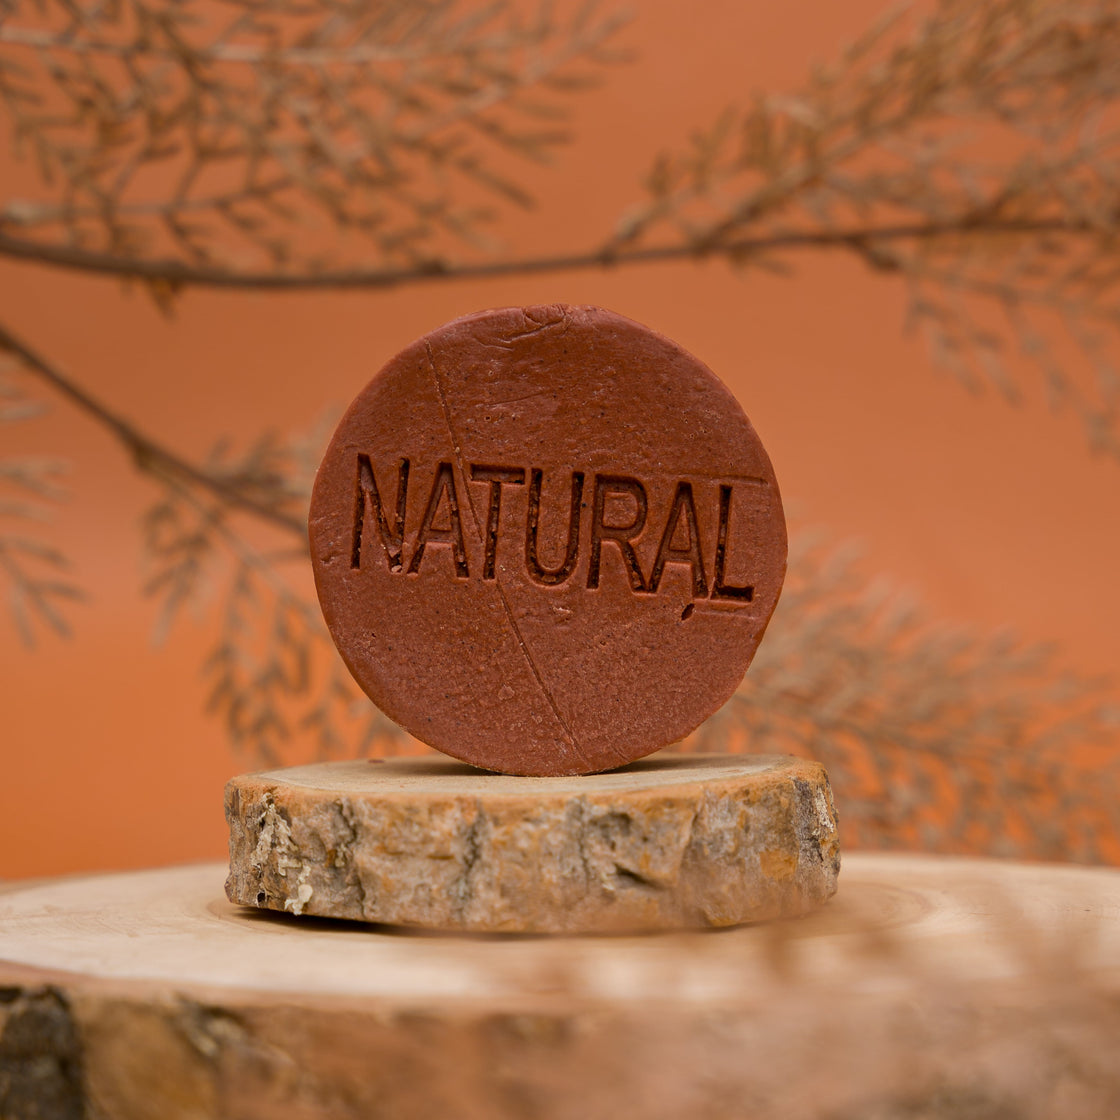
(259, 564)
(148, 454)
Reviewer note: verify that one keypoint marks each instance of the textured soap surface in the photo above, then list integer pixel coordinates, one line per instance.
(547, 540)
(671, 842)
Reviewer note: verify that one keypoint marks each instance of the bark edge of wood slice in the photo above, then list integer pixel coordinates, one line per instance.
(669, 842)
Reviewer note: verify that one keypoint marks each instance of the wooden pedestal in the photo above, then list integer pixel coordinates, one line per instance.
(670, 842)
(925, 988)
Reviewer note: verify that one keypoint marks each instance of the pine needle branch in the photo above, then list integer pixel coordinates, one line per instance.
(971, 153)
(36, 572)
(936, 737)
(273, 671)
(275, 145)
(217, 135)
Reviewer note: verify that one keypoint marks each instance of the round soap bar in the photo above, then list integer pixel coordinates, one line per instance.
(546, 540)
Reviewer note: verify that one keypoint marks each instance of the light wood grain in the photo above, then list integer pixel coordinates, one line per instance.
(927, 987)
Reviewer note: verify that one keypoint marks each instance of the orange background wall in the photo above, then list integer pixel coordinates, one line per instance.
(994, 515)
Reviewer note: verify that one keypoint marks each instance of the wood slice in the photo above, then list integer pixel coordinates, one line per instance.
(926, 988)
(665, 843)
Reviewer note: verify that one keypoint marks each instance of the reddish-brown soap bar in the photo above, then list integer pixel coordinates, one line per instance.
(547, 540)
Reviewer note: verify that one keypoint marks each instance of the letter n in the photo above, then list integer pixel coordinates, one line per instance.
(368, 500)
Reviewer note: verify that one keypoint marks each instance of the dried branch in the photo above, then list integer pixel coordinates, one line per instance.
(242, 133)
(273, 669)
(273, 144)
(36, 572)
(149, 455)
(974, 153)
(257, 678)
(174, 276)
(936, 737)
(971, 153)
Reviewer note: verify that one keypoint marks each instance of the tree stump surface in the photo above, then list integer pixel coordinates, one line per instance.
(927, 987)
(670, 842)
